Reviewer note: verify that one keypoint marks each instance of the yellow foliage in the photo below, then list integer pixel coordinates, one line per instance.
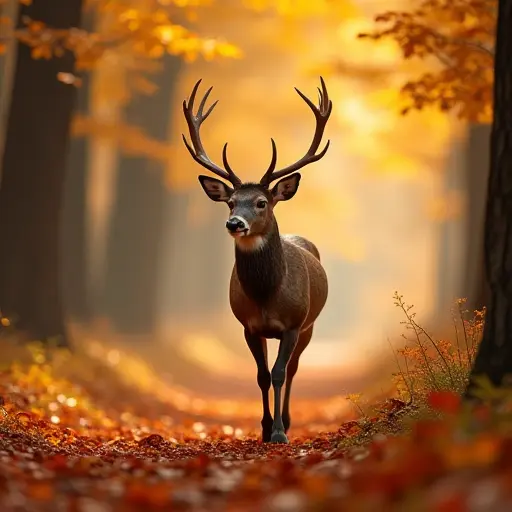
(301, 8)
(141, 29)
(131, 36)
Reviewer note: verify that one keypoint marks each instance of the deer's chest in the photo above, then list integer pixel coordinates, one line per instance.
(259, 321)
(269, 320)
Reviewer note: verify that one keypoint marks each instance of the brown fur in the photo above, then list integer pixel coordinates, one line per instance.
(288, 265)
(298, 300)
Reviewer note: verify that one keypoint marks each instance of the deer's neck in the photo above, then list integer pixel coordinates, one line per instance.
(261, 268)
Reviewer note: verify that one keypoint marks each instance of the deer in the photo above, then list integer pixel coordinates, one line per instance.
(278, 285)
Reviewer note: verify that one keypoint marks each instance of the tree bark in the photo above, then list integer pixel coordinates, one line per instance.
(477, 175)
(494, 358)
(33, 174)
(77, 305)
(9, 10)
(74, 222)
(135, 240)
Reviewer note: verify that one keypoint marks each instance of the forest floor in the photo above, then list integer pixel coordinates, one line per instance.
(73, 439)
(58, 451)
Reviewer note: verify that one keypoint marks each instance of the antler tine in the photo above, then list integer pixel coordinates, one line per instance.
(322, 113)
(273, 160)
(197, 150)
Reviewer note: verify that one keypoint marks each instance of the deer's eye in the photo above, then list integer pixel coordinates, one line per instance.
(261, 204)
(231, 205)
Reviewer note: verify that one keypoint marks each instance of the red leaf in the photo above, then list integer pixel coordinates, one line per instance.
(153, 441)
(444, 401)
(57, 463)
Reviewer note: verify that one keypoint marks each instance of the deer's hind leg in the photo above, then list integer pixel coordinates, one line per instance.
(291, 370)
(286, 347)
(258, 348)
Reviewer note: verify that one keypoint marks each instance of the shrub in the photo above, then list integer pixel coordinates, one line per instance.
(426, 364)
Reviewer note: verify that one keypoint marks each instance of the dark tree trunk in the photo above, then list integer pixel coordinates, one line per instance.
(9, 10)
(33, 173)
(135, 238)
(74, 227)
(477, 172)
(494, 357)
(74, 218)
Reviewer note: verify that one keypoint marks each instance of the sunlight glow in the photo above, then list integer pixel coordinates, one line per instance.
(362, 118)
(370, 205)
(147, 381)
(71, 402)
(379, 167)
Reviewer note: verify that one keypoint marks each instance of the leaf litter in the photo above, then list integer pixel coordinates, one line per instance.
(60, 451)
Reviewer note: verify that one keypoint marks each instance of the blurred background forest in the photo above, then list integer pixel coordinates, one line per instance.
(141, 261)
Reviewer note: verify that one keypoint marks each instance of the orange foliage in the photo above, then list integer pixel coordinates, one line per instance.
(131, 36)
(57, 449)
(428, 367)
(455, 38)
(63, 443)
(146, 29)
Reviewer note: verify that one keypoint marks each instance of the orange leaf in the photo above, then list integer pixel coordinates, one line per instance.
(444, 401)
(40, 491)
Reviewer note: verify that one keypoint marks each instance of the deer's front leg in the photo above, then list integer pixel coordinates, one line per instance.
(286, 348)
(258, 348)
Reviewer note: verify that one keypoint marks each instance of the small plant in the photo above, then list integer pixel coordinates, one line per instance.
(355, 400)
(428, 365)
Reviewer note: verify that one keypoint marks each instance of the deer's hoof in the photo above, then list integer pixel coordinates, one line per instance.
(279, 437)
(266, 436)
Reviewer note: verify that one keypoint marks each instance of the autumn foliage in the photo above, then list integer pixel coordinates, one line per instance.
(126, 36)
(455, 38)
(88, 445)
(426, 364)
(146, 29)
(58, 447)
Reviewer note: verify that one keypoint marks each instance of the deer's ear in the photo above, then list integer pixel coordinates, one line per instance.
(215, 189)
(286, 188)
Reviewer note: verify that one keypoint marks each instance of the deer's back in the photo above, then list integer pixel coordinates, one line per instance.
(302, 242)
(318, 287)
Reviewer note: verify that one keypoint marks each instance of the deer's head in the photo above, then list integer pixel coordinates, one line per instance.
(251, 205)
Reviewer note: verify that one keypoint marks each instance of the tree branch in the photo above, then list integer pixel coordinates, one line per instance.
(477, 45)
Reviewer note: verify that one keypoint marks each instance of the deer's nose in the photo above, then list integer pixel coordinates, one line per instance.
(235, 224)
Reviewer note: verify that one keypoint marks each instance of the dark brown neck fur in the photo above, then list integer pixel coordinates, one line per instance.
(260, 272)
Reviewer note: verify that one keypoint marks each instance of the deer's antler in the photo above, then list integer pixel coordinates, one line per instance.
(198, 153)
(322, 113)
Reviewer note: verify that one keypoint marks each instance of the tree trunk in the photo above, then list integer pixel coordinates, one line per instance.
(449, 233)
(494, 358)
(74, 211)
(477, 173)
(9, 10)
(74, 219)
(33, 173)
(134, 244)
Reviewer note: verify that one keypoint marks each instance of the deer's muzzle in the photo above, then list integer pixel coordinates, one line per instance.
(237, 225)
